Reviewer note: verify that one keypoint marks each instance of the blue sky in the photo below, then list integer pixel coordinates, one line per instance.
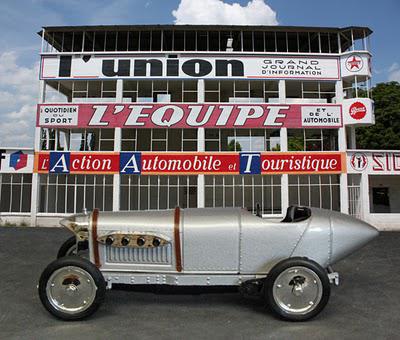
(21, 19)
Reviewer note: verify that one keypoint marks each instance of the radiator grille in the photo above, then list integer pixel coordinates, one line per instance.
(158, 255)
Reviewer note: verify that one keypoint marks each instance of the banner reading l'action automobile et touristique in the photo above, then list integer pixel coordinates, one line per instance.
(190, 163)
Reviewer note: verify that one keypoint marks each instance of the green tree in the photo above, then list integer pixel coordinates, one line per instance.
(232, 144)
(385, 134)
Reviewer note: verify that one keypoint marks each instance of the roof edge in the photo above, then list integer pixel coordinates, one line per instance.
(208, 27)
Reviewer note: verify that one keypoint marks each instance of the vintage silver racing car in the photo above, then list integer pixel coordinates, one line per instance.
(288, 262)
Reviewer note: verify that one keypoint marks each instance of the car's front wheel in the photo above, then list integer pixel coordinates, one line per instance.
(297, 289)
(71, 288)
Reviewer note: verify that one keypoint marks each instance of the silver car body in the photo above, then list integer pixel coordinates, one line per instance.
(215, 246)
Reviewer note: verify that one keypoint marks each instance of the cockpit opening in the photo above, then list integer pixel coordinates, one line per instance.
(296, 214)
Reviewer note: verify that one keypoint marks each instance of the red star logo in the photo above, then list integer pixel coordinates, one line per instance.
(354, 63)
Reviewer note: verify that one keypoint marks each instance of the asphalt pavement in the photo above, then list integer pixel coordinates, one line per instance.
(366, 305)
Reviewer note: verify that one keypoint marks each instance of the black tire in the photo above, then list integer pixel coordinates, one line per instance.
(69, 246)
(96, 278)
(311, 267)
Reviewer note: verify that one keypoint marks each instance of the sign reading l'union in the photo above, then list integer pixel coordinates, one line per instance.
(111, 66)
(246, 163)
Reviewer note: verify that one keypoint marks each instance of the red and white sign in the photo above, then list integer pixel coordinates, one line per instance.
(190, 163)
(355, 64)
(302, 163)
(80, 163)
(358, 161)
(176, 115)
(358, 111)
(374, 162)
(109, 66)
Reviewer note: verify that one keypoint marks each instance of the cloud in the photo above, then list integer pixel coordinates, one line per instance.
(394, 72)
(256, 12)
(18, 98)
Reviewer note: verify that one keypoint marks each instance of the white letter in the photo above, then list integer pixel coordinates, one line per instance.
(136, 113)
(134, 165)
(245, 113)
(194, 114)
(249, 160)
(225, 114)
(158, 115)
(63, 165)
(273, 115)
(99, 111)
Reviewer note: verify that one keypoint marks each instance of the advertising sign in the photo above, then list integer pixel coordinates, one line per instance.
(189, 66)
(16, 161)
(355, 64)
(177, 115)
(58, 115)
(374, 162)
(190, 163)
(358, 111)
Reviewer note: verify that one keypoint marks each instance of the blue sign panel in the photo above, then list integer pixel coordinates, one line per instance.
(250, 163)
(59, 162)
(130, 163)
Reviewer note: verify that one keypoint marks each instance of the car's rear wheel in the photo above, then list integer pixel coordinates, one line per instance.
(71, 288)
(297, 289)
(70, 247)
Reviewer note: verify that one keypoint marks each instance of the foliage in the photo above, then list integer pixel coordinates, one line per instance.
(232, 144)
(385, 134)
(296, 143)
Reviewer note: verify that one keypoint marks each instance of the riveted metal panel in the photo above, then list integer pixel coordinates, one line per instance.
(315, 242)
(211, 240)
(265, 242)
(147, 221)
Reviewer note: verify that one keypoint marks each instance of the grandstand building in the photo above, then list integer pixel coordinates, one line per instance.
(151, 117)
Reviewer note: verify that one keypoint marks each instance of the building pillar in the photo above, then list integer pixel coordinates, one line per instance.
(344, 192)
(34, 198)
(119, 91)
(117, 177)
(35, 192)
(284, 177)
(364, 196)
(342, 146)
(117, 148)
(200, 148)
(353, 142)
(284, 148)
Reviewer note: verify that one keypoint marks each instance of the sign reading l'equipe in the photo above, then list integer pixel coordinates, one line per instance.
(179, 115)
